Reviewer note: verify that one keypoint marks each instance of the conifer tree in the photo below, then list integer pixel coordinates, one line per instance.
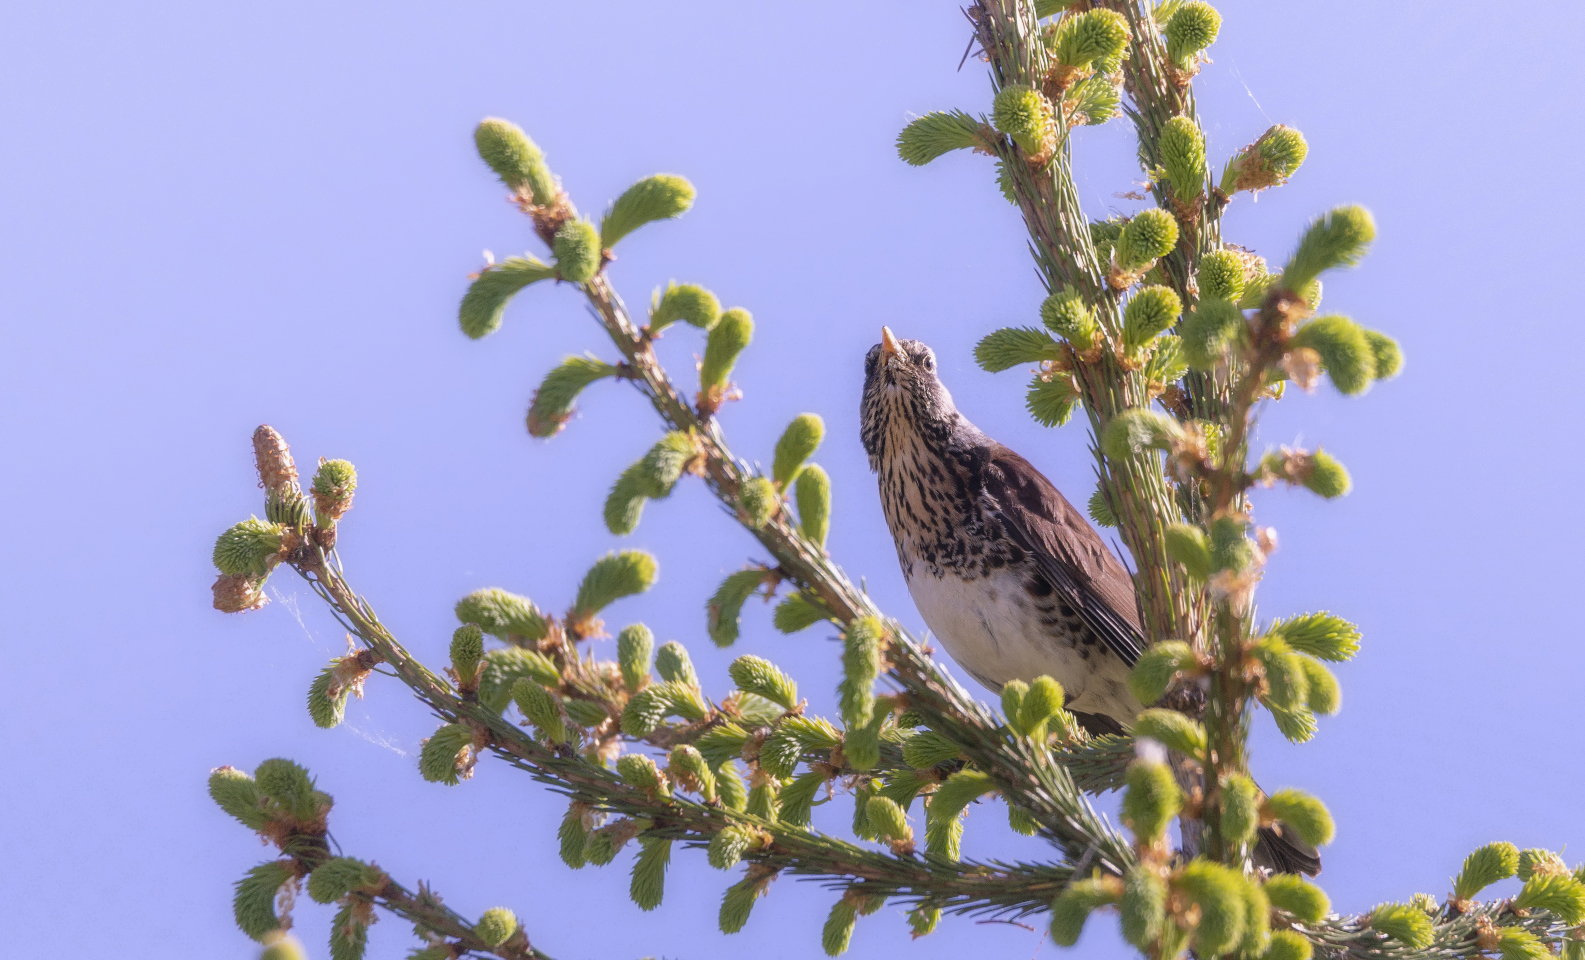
(1169, 339)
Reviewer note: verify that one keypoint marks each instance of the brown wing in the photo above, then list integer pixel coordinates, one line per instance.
(1068, 551)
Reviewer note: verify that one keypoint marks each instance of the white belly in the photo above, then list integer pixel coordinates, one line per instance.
(993, 632)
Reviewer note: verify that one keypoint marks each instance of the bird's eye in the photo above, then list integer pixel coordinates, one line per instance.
(928, 361)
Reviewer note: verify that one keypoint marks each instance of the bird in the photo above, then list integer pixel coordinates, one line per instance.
(1011, 579)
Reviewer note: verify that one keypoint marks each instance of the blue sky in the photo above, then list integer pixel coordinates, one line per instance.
(219, 216)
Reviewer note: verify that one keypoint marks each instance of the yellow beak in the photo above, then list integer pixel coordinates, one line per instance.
(889, 345)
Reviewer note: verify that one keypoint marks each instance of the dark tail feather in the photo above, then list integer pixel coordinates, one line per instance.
(1279, 848)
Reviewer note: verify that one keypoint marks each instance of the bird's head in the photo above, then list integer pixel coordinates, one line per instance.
(903, 400)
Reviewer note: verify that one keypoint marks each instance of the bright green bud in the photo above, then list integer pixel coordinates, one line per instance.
(552, 405)
(1100, 510)
(290, 786)
(1192, 27)
(503, 615)
(1166, 364)
(496, 926)
(1344, 349)
(1150, 311)
(1338, 238)
(1138, 429)
(437, 760)
(838, 930)
(927, 749)
(1094, 35)
(1025, 116)
(1022, 822)
(1143, 906)
(1013, 693)
(1152, 799)
(1189, 545)
(613, 576)
(1285, 678)
(861, 665)
(686, 302)
(649, 873)
(585, 713)
(797, 798)
(577, 250)
(688, 768)
(635, 648)
(1290, 892)
(1325, 476)
(1157, 668)
(573, 838)
(1324, 696)
(763, 802)
(724, 610)
(888, 820)
(254, 902)
(515, 159)
(496, 285)
(1042, 702)
(287, 947)
(1287, 945)
(238, 795)
(641, 773)
(1256, 287)
(663, 196)
(944, 838)
(334, 483)
(1182, 147)
(646, 709)
(1298, 724)
(1388, 355)
(934, 134)
(1069, 317)
(1307, 816)
(1011, 346)
(1221, 276)
(729, 784)
(813, 491)
(1151, 234)
(540, 708)
(467, 649)
(862, 744)
(339, 876)
(798, 612)
(1094, 100)
(673, 664)
(797, 444)
(1172, 730)
(1537, 861)
(1320, 635)
(923, 920)
(1240, 805)
(1559, 893)
(1514, 943)
(728, 845)
(502, 668)
(1051, 402)
(1208, 330)
(780, 753)
(758, 501)
(727, 339)
(1074, 906)
(1231, 548)
(1404, 923)
(738, 903)
(1219, 893)
(759, 676)
(722, 742)
(1267, 162)
(247, 549)
(957, 792)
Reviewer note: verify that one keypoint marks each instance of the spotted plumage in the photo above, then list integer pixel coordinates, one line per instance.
(1011, 579)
